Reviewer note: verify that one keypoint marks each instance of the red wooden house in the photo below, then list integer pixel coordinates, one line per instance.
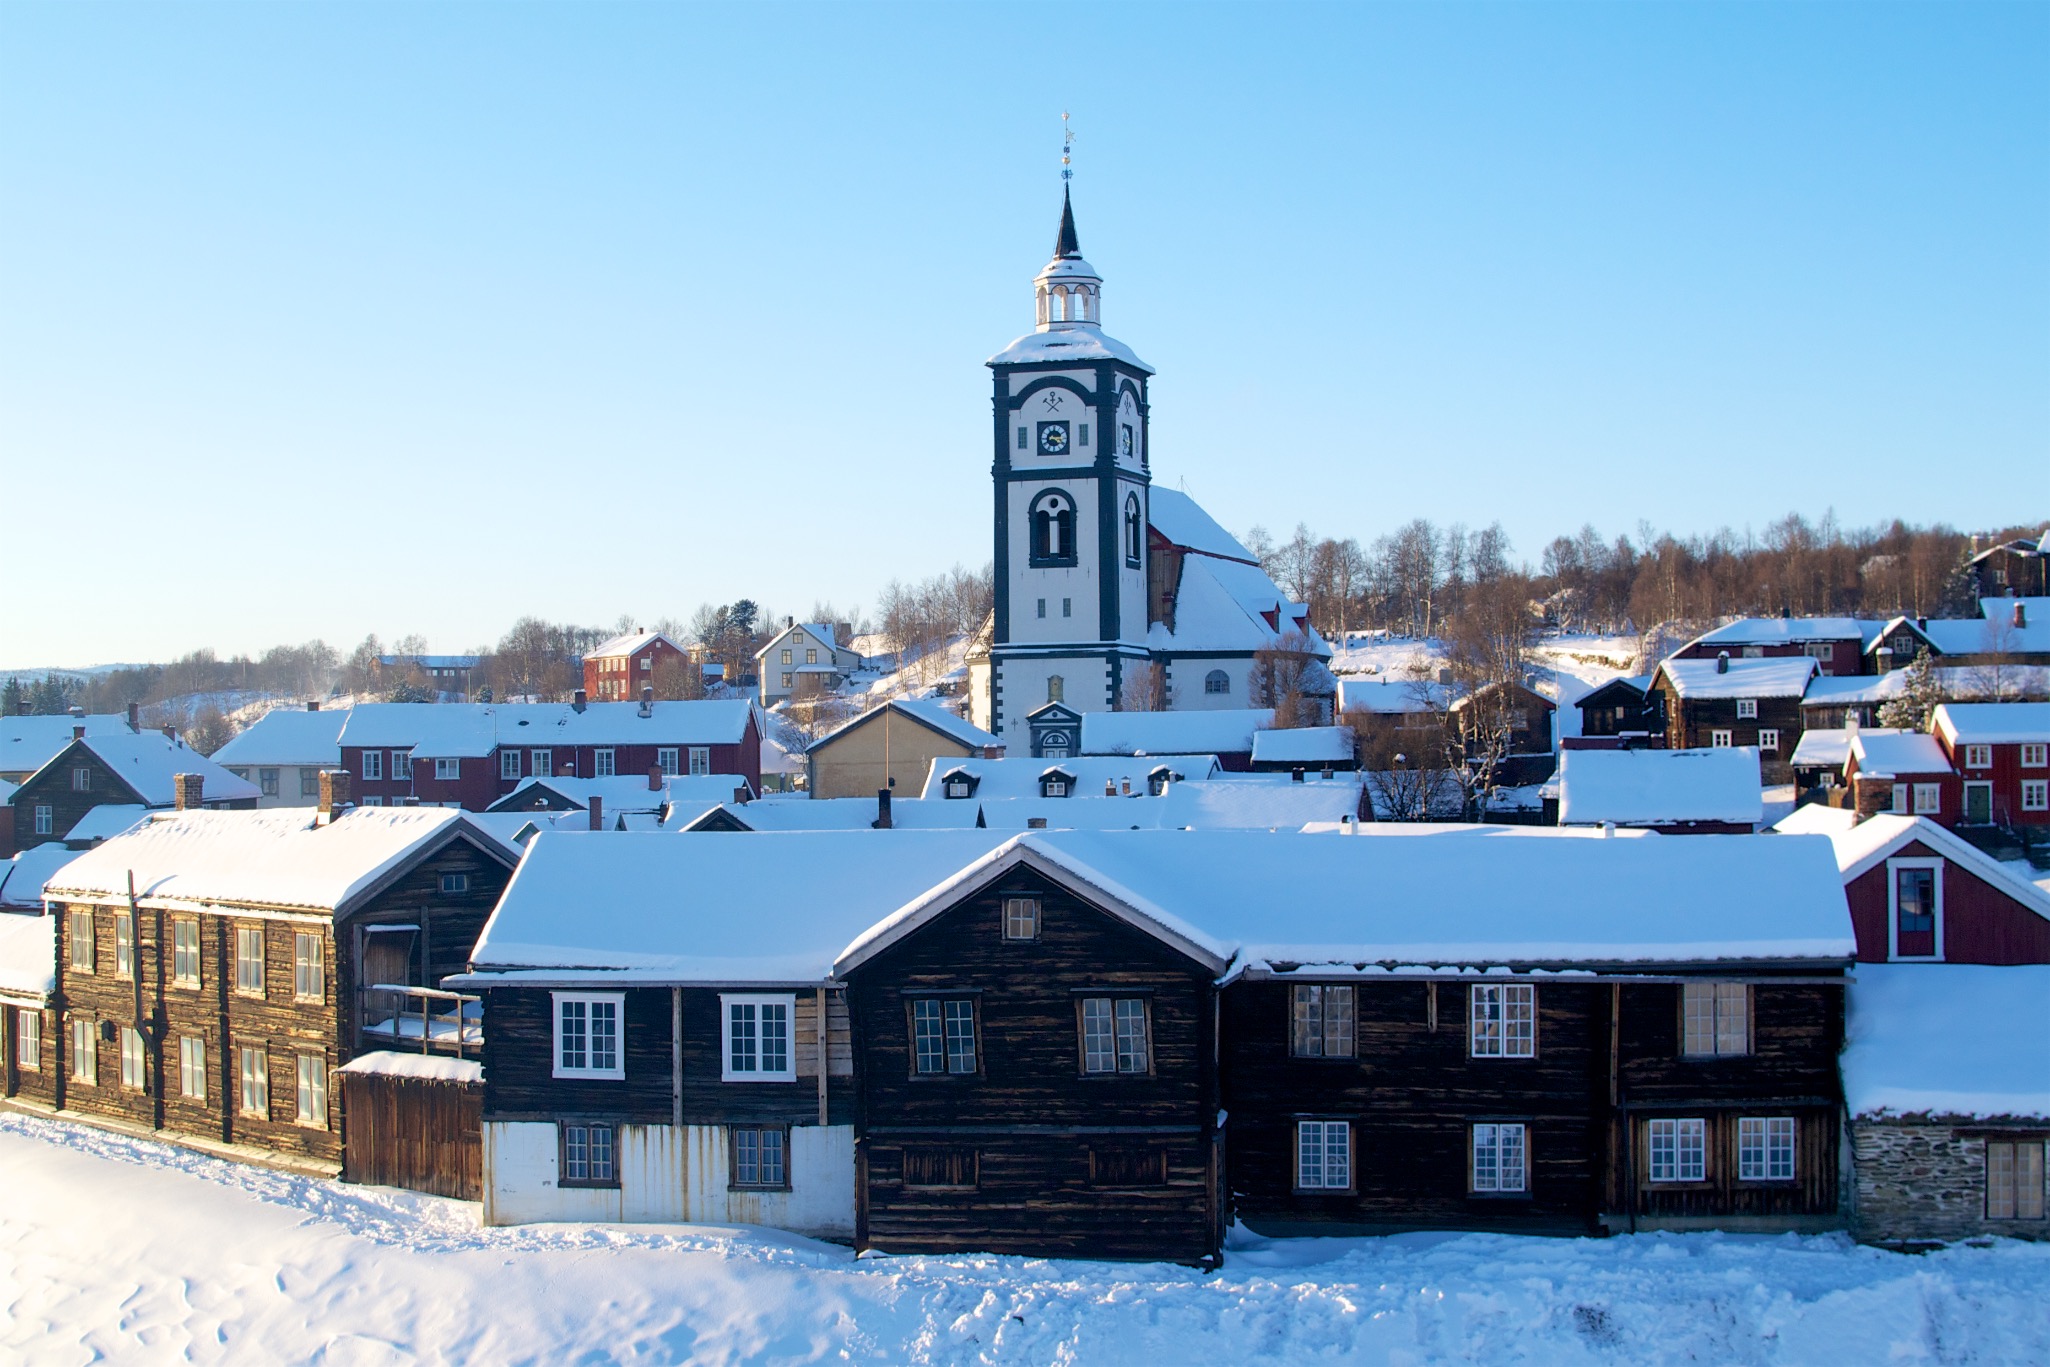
(617, 670)
(1836, 644)
(1903, 772)
(1919, 893)
(2002, 750)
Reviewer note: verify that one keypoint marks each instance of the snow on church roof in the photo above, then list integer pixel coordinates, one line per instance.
(1225, 605)
(1183, 522)
(1068, 344)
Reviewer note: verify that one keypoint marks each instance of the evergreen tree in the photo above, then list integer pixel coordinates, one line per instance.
(1924, 693)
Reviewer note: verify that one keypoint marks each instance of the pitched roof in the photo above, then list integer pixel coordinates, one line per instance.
(1182, 521)
(1779, 631)
(1020, 776)
(1304, 745)
(1917, 1041)
(22, 877)
(1700, 679)
(819, 631)
(28, 954)
(1865, 844)
(473, 730)
(1993, 723)
(1830, 745)
(1225, 605)
(1222, 731)
(628, 643)
(933, 715)
(28, 743)
(106, 821)
(147, 761)
(1657, 787)
(625, 793)
(1882, 754)
(1990, 634)
(278, 857)
(288, 735)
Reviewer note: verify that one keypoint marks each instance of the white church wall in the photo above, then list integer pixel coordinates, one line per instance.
(1085, 686)
(1076, 583)
(1186, 692)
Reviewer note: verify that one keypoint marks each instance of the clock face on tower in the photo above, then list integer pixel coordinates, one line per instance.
(1125, 440)
(1053, 439)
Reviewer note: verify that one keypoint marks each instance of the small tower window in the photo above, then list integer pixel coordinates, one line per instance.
(1053, 529)
(1132, 530)
(1217, 681)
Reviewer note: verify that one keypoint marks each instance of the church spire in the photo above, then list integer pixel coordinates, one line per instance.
(1070, 293)
(1066, 244)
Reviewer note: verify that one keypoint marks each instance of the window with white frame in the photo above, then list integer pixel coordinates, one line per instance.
(943, 1035)
(309, 967)
(1978, 757)
(252, 1065)
(786, 679)
(2036, 755)
(1721, 738)
(192, 1068)
(402, 766)
(46, 819)
(1747, 709)
(1903, 797)
(761, 1156)
(1820, 650)
(81, 780)
(78, 932)
(508, 764)
(786, 657)
(309, 782)
(1323, 1155)
(134, 1062)
(1715, 1019)
(124, 944)
(28, 1038)
(1928, 799)
(601, 762)
(1322, 1021)
(312, 1091)
(2014, 1179)
(587, 1034)
(1114, 1035)
(249, 961)
(267, 782)
(1915, 913)
(757, 1037)
(1765, 1148)
(1768, 738)
(1021, 917)
(700, 760)
(587, 1159)
(540, 760)
(666, 760)
(2035, 795)
(1502, 1020)
(448, 770)
(1678, 1150)
(373, 800)
(85, 1051)
(1217, 681)
(373, 765)
(1501, 1158)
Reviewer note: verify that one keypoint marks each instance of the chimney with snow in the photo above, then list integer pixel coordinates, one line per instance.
(334, 794)
(597, 813)
(577, 700)
(78, 733)
(135, 717)
(1722, 662)
(185, 790)
(171, 734)
(654, 778)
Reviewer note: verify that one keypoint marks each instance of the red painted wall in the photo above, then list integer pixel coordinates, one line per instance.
(1982, 924)
(1845, 659)
(2006, 775)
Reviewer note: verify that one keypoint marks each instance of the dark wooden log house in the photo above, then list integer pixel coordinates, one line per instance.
(137, 768)
(1617, 715)
(1720, 702)
(214, 969)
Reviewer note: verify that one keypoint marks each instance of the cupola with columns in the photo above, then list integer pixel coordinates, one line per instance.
(1070, 291)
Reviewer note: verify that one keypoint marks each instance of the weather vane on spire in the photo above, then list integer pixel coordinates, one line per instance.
(1067, 143)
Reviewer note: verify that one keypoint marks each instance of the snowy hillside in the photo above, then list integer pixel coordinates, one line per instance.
(124, 1250)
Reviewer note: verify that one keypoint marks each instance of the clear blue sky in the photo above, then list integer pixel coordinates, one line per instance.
(325, 320)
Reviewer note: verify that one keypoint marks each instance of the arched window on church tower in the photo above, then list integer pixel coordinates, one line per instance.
(1053, 529)
(1132, 531)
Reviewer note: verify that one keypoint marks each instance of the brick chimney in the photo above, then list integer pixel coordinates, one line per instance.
(171, 734)
(654, 778)
(334, 794)
(78, 733)
(882, 821)
(185, 790)
(597, 813)
(2021, 614)
(135, 717)
(313, 704)
(578, 699)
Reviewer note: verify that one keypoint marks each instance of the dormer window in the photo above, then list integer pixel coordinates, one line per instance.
(1056, 783)
(1157, 781)
(958, 783)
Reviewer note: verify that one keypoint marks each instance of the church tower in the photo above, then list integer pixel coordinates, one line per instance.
(1072, 480)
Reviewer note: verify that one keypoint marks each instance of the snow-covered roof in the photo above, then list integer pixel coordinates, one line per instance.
(938, 716)
(22, 877)
(1993, 723)
(1987, 635)
(819, 631)
(1258, 802)
(426, 1067)
(28, 743)
(1700, 679)
(1020, 776)
(147, 761)
(626, 794)
(1862, 846)
(1918, 1041)
(473, 730)
(1636, 682)
(1816, 818)
(1224, 732)
(288, 735)
(1783, 631)
(106, 821)
(1656, 787)
(278, 857)
(1241, 896)
(1388, 698)
(2002, 609)
(1225, 605)
(1830, 746)
(1077, 346)
(656, 909)
(28, 954)
(1882, 754)
(1851, 690)
(627, 644)
(1304, 745)
(1183, 522)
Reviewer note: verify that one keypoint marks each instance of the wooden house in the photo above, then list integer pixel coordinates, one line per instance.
(1836, 644)
(1298, 749)
(2011, 632)
(1904, 772)
(2020, 566)
(214, 969)
(894, 747)
(1619, 714)
(1919, 893)
(1035, 1058)
(617, 670)
(28, 1026)
(1521, 717)
(803, 660)
(470, 755)
(2002, 753)
(1948, 1119)
(125, 768)
(1725, 702)
(665, 1037)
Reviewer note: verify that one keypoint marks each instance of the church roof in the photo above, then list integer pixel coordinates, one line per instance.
(1183, 522)
(1068, 345)
(1067, 244)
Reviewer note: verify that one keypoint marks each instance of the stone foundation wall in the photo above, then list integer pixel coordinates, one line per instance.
(1917, 1180)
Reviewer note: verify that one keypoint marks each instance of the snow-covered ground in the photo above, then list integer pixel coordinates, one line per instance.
(123, 1250)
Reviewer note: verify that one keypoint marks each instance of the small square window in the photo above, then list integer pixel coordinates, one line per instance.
(448, 770)
(943, 1036)
(81, 780)
(1978, 757)
(587, 1035)
(541, 761)
(1323, 1022)
(666, 761)
(1769, 738)
(1115, 1038)
(2035, 794)
(1715, 1019)
(700, 760)
(453, 883)
(373, 765)
(759, 1043)
(761, 1157)
(1928, 799)
(1747, 709)
(602, 763)
(508, 764)
(1721, 738)
(1021, 914)
(1678, 1150)
(309, 783)
(2035, 754)
(46, 820)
